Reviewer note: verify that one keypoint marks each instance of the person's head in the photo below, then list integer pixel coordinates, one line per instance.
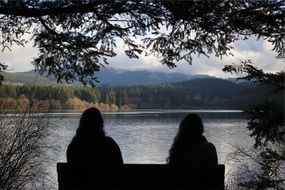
(191, 126)
(91, 123)
(189, 132)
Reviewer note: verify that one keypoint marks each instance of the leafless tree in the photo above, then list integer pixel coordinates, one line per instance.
(261, 168)
(24, 145)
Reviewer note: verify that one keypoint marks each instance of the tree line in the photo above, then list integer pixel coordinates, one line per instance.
(56, 97)
(198, 93)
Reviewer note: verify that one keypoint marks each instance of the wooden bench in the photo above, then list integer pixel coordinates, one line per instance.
(141, 176)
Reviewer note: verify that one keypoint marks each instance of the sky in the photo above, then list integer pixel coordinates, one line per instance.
(259, 51)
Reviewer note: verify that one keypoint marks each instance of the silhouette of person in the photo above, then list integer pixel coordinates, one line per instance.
(90, 145)
(190, 146)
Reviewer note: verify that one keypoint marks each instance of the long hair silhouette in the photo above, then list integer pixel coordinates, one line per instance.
(189, 133)
(91, 146)
(91, 124)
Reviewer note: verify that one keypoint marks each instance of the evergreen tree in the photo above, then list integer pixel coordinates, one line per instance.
(266, 124)
(75, 38)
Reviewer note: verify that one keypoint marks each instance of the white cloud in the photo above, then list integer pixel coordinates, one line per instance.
(252, 44)
(260, 52)
(264, 59)
(20, 58)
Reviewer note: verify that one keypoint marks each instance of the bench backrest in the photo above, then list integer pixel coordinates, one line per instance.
(141, 176)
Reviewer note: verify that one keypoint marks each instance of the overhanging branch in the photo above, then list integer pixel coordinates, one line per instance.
(46, 27)
(51, 10)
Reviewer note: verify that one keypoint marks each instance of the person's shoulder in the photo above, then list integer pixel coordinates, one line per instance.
(210, 145)
(111, 143)
(73, 142)
(109, 140)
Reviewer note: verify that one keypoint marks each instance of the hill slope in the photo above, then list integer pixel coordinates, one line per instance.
(29, 78)
(105, 76)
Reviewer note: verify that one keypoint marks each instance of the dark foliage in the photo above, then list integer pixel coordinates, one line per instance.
(276, 80)
(75, 38)
(266, 120)
(266, 124)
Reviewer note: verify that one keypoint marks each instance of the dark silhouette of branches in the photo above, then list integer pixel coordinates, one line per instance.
(264, 165)
(254, 74)
(76, 38)
(258, 169)
(24, 146)
(266, 121)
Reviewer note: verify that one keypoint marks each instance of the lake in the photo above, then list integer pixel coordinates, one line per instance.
(145, 136)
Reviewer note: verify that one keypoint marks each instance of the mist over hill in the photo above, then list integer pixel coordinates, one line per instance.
(107, 76)
(121, 77)
(28, 78)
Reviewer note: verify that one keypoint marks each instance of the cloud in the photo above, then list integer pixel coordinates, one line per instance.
(20, 58)
(252, 44)
(264, 59)
(260, 52)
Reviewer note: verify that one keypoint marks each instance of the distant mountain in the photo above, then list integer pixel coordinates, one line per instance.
(210, 93)
(107, 77)
(30, 78)
(120, 77)
(210, 87)
(242, 82)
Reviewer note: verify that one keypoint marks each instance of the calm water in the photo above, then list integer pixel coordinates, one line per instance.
(145, 136)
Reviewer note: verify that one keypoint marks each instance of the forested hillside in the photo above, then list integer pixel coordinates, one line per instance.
(106, 76)
(207, 93)
(28, 78)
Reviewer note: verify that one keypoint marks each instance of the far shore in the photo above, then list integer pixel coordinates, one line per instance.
(133, 111)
